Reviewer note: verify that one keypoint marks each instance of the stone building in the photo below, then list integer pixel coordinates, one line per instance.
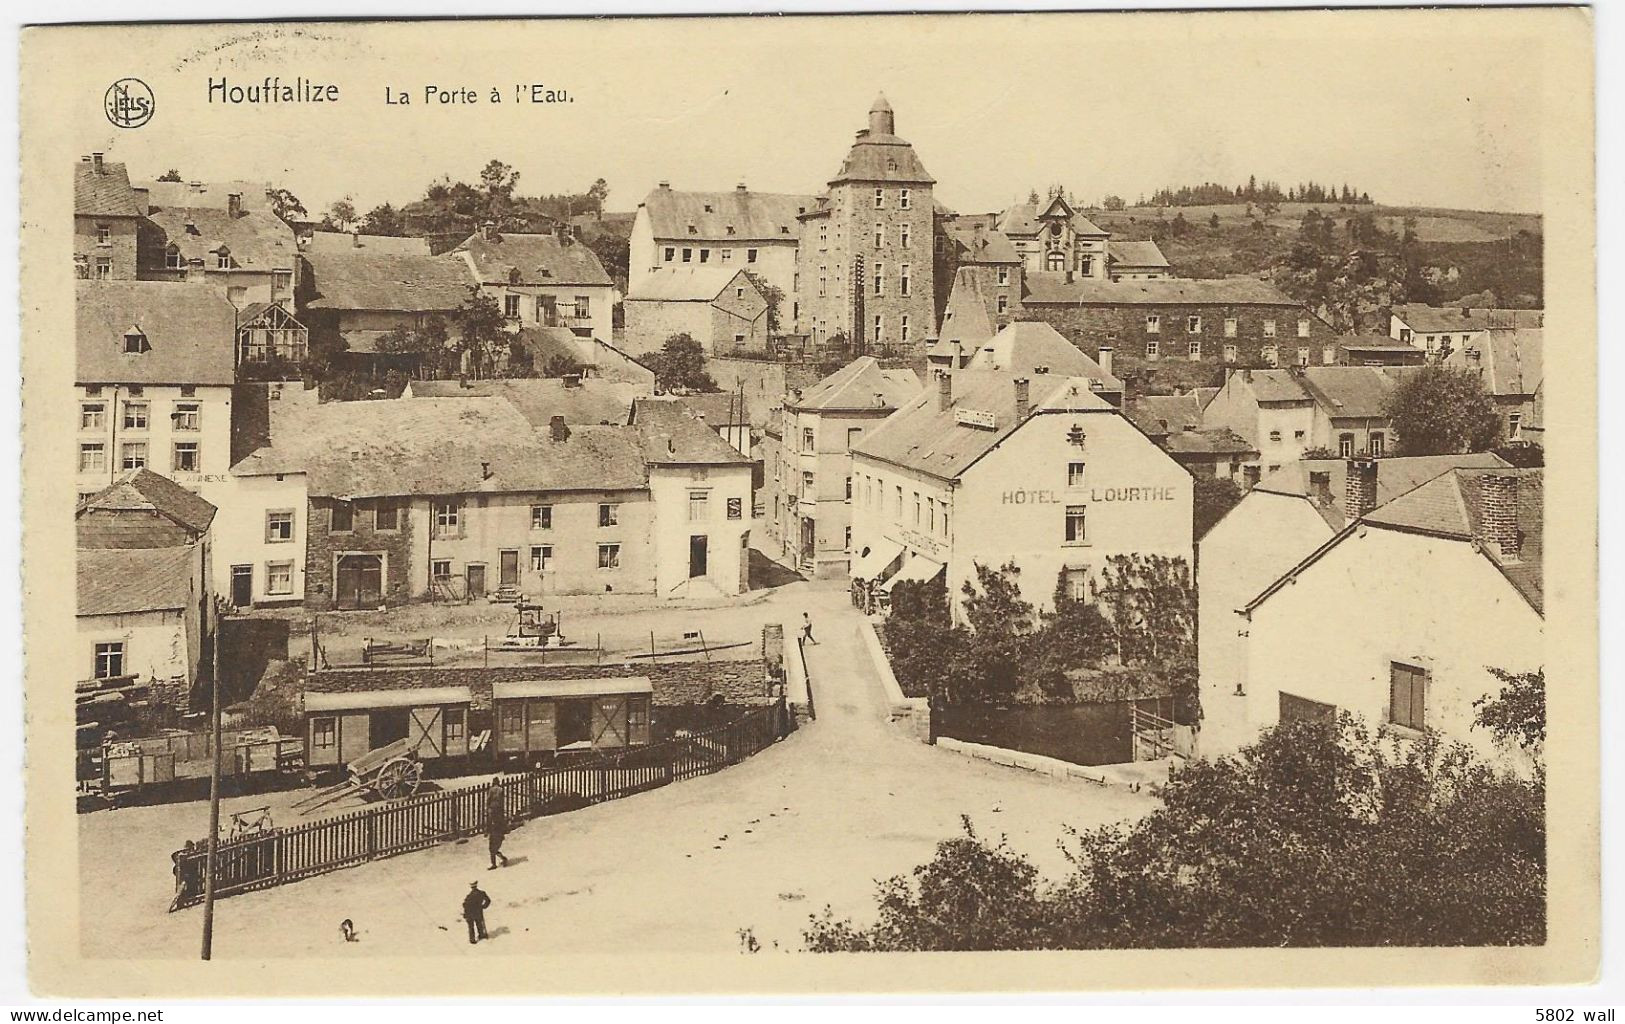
(720, 307)
(543, 280)
(249, 254)
(741, 229)
(1054, 238)
(107, 218)
(865, 262)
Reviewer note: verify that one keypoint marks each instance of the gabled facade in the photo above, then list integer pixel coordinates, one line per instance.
(1442, 329)
(742, 229)
(720, 307)
(107, 216)
(1052, 237)
(543, 280)
(249, 254)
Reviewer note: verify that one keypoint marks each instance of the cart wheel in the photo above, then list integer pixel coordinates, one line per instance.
(399, 778)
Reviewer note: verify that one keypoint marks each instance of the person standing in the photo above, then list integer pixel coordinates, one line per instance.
(474, 905)
(496, 824)
(806, 629)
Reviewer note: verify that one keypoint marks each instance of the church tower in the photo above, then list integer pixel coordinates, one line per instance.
(866, 252)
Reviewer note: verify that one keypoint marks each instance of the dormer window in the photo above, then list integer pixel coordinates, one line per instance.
(173, 259)
(222, 260)
(708, 208)
(513, 275)
(135, 342)
(693, 230)
(730, 229)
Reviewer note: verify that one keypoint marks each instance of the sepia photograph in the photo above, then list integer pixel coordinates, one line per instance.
(720, 504)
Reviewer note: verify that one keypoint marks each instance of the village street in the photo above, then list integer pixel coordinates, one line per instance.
(815, 820)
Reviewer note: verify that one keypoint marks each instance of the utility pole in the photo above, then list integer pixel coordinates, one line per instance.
(214, 793)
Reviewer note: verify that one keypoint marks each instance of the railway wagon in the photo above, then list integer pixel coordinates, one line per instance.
(138, 763)
(342, 727)
(567, 715)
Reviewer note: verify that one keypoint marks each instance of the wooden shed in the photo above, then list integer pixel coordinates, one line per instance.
(571, 714)
(342, 726)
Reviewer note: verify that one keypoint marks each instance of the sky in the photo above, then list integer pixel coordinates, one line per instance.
(1423, 108)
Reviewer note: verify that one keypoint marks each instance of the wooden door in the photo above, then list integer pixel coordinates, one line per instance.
(540, 733)
(609, 722)
(426, 731)
(476, 579)
(242, 585)
(697, 556)
(355, 735)
(508, 571)
(358, 581)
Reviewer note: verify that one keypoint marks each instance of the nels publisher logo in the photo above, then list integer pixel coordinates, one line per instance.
(129, 103)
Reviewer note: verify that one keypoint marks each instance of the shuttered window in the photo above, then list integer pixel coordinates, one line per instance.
(1407, 695)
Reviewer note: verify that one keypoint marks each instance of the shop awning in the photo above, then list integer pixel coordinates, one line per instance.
(870, 564)
(917, 569)
(366, 700)
(572, 687)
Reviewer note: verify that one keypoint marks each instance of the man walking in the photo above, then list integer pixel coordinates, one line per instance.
(806, 629)
(496, 824)
(474, 905)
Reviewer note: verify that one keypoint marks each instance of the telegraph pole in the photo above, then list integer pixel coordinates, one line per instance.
(214, 792)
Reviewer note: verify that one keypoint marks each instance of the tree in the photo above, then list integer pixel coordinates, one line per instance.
(1113, 202)
(342, 214)
(614, 252)
(1518, 713)
(560, 365)
(774, 297)
(382, 220)
(428, 342)
(1212, 497)
(596, 194)
(1319, 834)
(172, 174)
(1443, 410)
(1032, 197)
(499, 181)
(286, 205)
(680, 366)
(481, 338)
(1151, 603)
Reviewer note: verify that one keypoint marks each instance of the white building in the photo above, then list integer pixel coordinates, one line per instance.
(1277, 524)
(1398, 617)
(1437, 329)
(755, 231)
(153, 382)
(543, 280)
(144, 606)
(987, 467)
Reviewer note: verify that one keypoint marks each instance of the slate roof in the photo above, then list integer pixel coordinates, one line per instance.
(538, 259)
(430, 446)
(107, 194)
(977, 244)
(1026, 345)
(122, 581)
(1353, 392)
(855, 385)
(1217, 441)
(386, 281)
(344, 241)
(255, 240)
(145, 492)
(1165, 414)
(539, 399)
(1446, 319)
(670, 434)
(966, 318)
(1052, 287)
(191, 330)
(881, 157)
(687, 284)
(1135, 254)
(922, 437)
(1275, 386)
(210, 194)
(1395, 476)
(1449, 506)
(1022, 219)
(1509, 359)
(717, 408)
(753, 216)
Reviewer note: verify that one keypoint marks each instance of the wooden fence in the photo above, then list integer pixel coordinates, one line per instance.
(282, 855)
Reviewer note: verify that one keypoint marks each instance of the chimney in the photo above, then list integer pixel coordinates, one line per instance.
(1024, 404)
(1498, 513)
(1106, 360)
(557, 430)
(665, 186)
(485, 471)
(572, 380)
(1360, 491)
(487, 229)
(566, 236)
(1320, 487)
(96, 162)
(234, 205)
(1247, 376)
(740, 188)
(945, 392)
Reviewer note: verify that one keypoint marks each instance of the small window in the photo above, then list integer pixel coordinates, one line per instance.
(1269, 328)
(917, 508)
(880, 235)
(609, 556)
(736, 508)
(343, 517)
(1074, 474)
(1230, 353)
(222, 261)
(1153, 324)
(278, 527)
(848, 488)
(324, 732)
(448, 516)
(133, 455)
(92, 416)
(541, 517)
(1303, 355)
(583, 307)
(903, 199)
(1407, 695)
(1152, 349)
(104, 268)
(609, 515)
(1378, 444)
(880, 328)
(902, 328)
(1075, 532)
(1196, 348)
(541, 557)
(1303, 328)
(1003, 303)
(279, 578)
(104, 234)
(1193, 325)
(1004, 276)
(1270, 356)
(1275, 437)
(187, 457)
(510, 306)
(1328, 355)
(440, 569)
(1230, 326)
(705, 255)
(903, 280)
(92, 458)
(1297, 435)
(456, 720)
(386, 516)
(1345, 445)
(135, 415)
(173, 260)
(186, 415)
(806, 484)
(110, 659)
(750, 255)
(688, 255)
(880, 199)
(671, 253)
(880, 279)
(806, 439)
(699, 506)
(903, 239)
(1514, 425)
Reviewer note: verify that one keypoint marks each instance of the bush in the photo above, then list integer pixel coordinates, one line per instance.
(1319, 834)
